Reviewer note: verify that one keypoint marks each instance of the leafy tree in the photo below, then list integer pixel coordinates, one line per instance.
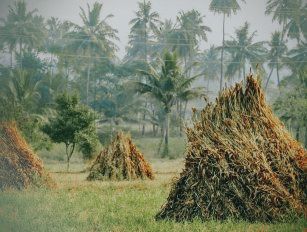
(95, 38)
(276, 55)
(225, 7)
(74, 125)
(166, 86)
(243, 50)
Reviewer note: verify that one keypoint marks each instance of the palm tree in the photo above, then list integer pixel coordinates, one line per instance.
(94, 38)
(297, 22)
(289, 14)
(276, 55)
(243, 50)
(225, 7)
(166, 86)
(190, 32)
(209, 64)
(297, 59)
(143, 27)
(22, 28)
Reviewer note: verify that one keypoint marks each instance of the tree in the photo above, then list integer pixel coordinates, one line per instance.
(95, 38)
(22, 28)
(281, 11)
(225, 7)
(276, 55)
(209, 64)
(190, 32)
(143, 27)
(166, 86)
(243, 50)
(74, 125)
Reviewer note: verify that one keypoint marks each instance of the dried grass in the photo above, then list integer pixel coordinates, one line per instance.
(121, 160)
(19, 166)
(241, 163)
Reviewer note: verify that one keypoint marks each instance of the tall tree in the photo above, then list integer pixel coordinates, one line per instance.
(143, 27)
(225, 7)
(166, 86)
(22, 28)
(209, 64)
(190, 32)
(95, 38)
(276, 55)
(243, 50)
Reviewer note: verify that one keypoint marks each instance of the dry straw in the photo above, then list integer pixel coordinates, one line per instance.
(241, 163)
(121, 160)
(19, 166)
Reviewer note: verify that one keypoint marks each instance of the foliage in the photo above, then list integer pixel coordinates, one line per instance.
(73, 125)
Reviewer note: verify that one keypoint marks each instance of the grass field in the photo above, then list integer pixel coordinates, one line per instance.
(79, 205)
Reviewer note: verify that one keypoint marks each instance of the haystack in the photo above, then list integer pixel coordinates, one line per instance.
(121, 160)
(19, 166)
(241, 163)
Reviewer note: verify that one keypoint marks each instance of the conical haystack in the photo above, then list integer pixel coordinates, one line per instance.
(19, 166)
(241, 163)
(121, 160)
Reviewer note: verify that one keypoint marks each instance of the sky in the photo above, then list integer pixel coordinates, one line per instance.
(124, 10)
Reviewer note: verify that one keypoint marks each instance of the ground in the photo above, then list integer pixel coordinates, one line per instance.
(80, 205)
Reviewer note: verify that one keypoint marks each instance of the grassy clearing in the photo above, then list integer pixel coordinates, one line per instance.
(79, 205)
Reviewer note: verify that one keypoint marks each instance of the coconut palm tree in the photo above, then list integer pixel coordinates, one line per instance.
(243, 50)
(22, 28)
(276, 55)
(225, 7)
(143, 27)
(284, 11)
(190, 32)
(166, 86)
(297, 22)
(209, 64)
(95, 38)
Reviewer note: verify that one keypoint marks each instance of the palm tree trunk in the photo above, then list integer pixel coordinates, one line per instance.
(20, 53)
(166, 135)
(88, 82)
(145, 53)
(277, 70)
(222, 54)
(267, 82)
(11, 58)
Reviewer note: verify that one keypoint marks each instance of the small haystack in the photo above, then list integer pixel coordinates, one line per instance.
(19, 166)
(121, 160)
(241, 163)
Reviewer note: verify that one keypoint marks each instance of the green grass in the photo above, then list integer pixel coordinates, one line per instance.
(79, 205)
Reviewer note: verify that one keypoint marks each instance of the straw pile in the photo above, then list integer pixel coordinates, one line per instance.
(241, 163)
(121, 160)
(19, 166)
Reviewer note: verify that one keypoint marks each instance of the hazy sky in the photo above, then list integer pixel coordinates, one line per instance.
(124, 11)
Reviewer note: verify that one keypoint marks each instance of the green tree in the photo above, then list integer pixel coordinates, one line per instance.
(95, 38)
(190, 32)
(166, 86)
(225, 7)
(276, 55)
(208, 64)
(290, 14)
(22, 28)
(143, 28)
(243, 50)
(74, 125)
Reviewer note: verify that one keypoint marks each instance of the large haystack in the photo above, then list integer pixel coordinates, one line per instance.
(19, 166)
(241, 163)
(121, 160)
